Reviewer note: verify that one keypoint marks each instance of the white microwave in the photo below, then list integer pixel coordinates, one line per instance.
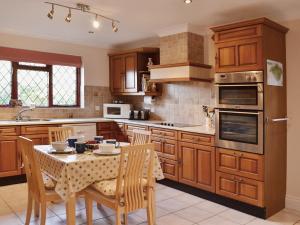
(116, 111)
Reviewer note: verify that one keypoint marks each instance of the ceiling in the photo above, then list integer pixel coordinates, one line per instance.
(140, 19)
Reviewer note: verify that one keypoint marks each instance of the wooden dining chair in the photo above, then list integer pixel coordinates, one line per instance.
(37, 191)
(141, 137)
(60, 133)
(131, 190)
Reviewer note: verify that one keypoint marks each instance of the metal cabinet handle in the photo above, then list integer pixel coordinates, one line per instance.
(280, 119)
(238, 112)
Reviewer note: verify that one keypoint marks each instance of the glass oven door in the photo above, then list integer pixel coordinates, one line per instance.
(240, 96)
(240, 130)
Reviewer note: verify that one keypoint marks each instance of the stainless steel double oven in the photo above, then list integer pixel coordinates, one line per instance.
(239, 111)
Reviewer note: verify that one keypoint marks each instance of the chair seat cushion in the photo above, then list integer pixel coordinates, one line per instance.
(49, 183)
(108, 187)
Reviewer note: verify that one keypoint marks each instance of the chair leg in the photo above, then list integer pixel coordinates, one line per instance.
(29, 208)
(118, 216)
(43, 213)
(36, 208)
(89, 210)
(125, 219)
(150, 214)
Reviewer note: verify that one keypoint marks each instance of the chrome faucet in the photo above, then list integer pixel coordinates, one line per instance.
(19, 116)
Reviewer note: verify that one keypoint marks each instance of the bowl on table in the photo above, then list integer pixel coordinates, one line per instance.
(59, 146)
(106, 148)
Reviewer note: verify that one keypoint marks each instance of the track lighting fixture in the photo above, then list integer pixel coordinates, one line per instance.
(114, 26)
(85, 9)
(51, 13)
(188, 1)
(96, 23)
(68, 18)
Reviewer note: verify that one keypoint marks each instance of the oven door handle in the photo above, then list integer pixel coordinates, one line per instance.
(236, 112)
(237, 85)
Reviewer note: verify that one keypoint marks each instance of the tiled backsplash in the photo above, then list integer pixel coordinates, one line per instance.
(180, 102)
(93, 96)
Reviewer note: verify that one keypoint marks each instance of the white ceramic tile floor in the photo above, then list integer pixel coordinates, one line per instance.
(173, 208)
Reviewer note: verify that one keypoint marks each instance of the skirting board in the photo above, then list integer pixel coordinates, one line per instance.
(292, 202)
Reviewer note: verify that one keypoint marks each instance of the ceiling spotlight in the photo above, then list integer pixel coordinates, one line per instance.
(51, 13)
(188, 1)
(114, 26)
(96, 23)
(68, 18)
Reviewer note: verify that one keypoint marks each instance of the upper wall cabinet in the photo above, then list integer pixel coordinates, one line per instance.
(128, 71)
(239, 46)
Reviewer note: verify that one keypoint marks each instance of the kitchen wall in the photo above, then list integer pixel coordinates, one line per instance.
(293, 108)
(93, 96)
(96, 78)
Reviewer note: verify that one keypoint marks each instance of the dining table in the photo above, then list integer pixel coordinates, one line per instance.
(74, 172)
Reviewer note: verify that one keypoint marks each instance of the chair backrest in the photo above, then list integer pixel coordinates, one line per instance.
(60, 133)
(141, 137)
(135, 173)
(32, 168)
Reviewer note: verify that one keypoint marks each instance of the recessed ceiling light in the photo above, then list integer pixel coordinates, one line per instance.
(91, 32)
(96, 23)
(188, 1)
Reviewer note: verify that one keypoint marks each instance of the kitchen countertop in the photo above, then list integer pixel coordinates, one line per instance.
(195, 129)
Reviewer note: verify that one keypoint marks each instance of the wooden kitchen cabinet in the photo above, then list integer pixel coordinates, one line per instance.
(240, 163)
(197, 165)
(240, 55)
(126, 69)
(10, 157)
(240, 188)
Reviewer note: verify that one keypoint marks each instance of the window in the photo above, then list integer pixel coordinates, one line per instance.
(5, 82)
(39, 84)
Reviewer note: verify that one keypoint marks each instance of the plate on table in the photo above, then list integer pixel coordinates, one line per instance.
(66, 151)
(113, 152)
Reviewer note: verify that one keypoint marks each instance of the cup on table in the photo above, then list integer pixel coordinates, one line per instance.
(99, 139)
(80, 147)
(113, 141)
(71, 141)
(107, 148)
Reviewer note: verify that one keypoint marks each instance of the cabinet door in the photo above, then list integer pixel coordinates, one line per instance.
(226, 57)
(240, 163)
(117, 72)
(242, 189)
(206, 170)
(10, 160)
(187, 163)
(158, 147)
(170, 169)
(197, 165)
(130, 76)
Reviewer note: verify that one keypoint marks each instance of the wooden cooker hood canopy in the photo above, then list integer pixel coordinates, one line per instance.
(181, 59)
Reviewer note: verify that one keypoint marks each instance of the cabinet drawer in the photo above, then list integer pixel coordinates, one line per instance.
(240, 163)
(196, 138)
(238, 33)
(105, 126)
(9, 131)
(239, 188)
(166, 148)
(43, 129)
(130, 127)
(166, 133)
(170, 168)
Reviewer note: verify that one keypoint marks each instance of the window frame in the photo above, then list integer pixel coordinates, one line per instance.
(48, 68)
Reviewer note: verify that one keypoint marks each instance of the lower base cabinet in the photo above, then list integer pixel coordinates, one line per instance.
(240, 188)
(197, 165)
(10, 158)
